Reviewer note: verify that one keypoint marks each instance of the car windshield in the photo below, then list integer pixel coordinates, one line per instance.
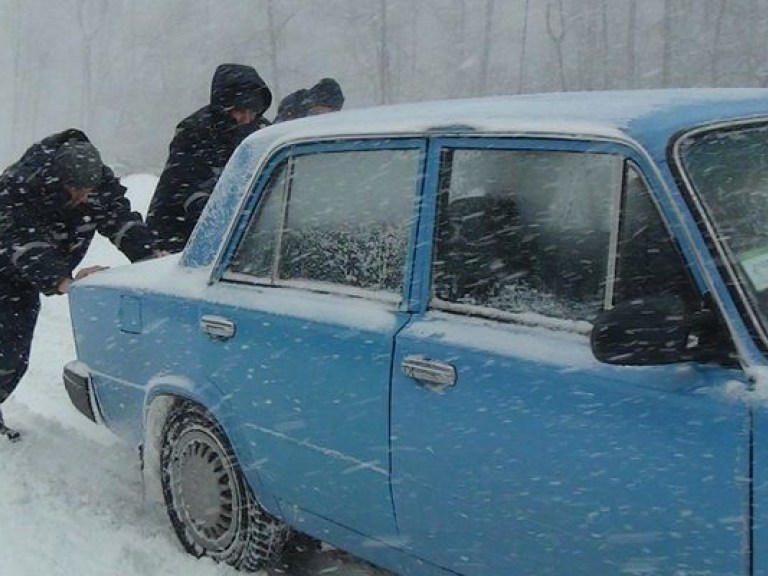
(728, 168)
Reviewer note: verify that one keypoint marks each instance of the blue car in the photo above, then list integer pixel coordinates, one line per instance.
(517, 335)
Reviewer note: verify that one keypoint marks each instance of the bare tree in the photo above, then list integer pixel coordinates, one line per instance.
(487, 41)
(381, 50)
(90, 17)
(414, 36)
(666, 57)
(631, 79)
(605, 50)
(17, 68)
(465, 50)
(761, 67)
(556, 31)
(385, 85)
(523, 46)
(714, 55)
(755, 42)
(273, 46)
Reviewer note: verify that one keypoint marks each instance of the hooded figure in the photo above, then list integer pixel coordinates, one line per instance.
(325, 96)
(52, 202)
(200, 149)
(292, 106)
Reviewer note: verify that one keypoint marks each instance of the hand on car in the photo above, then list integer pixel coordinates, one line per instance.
(66, 283)
(88, 270)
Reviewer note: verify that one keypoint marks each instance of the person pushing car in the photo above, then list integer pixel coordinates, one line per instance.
(201, 146)
(52, 202)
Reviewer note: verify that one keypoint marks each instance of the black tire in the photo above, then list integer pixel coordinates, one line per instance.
(210, 506)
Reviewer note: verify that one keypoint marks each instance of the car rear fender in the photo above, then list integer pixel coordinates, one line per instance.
(163, 395)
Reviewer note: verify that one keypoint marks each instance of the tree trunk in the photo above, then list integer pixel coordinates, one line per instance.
(556, 31)
(632, 45)
(666, 57)
(273, 48)
(486, 54)
(714, 59)
(523, 46)
(384, 72)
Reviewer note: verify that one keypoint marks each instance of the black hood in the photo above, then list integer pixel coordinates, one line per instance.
(240, 86)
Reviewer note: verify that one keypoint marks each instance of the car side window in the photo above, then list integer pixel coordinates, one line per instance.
(648, 262)
(257, 251)
(525, 230)
(341, 218)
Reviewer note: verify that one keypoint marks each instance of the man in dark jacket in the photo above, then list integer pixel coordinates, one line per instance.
(200, 149)
(292, 106)
(52, 202)
(325, 96)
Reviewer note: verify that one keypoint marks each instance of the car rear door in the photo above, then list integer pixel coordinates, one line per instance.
(298, 332)
(514, 450)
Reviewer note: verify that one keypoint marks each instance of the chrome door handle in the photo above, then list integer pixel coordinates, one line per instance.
(436, 375)
(217, 327)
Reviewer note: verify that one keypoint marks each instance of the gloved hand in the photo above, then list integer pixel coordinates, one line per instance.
(66, 283)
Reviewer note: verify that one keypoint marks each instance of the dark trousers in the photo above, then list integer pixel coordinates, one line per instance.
(19, 307)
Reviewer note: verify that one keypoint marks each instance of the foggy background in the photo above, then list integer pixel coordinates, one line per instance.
(126, 71)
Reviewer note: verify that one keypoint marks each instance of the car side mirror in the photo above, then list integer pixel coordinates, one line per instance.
(652, 330)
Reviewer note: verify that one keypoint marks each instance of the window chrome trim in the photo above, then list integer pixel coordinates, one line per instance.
(613, 239)
(314, 286)
(280, 228)
(532, 319)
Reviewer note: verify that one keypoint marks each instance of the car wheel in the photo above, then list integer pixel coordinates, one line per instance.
(210, 506)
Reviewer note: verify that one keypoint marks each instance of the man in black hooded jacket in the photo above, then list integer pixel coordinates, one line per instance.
(52, 202)
(200, 149)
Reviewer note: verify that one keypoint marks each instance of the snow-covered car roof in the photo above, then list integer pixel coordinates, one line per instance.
(648, 118)
(635, 113)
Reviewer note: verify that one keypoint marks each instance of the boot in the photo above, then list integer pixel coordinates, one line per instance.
(10, 433)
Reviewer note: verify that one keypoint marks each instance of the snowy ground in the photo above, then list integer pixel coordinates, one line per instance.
(71, 496)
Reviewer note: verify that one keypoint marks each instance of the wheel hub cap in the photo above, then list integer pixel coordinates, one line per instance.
(204, 491)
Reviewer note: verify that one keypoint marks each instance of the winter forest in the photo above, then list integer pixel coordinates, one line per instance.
(126, 71)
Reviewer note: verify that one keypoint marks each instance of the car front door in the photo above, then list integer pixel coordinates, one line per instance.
(514, 450)
(300, 328)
